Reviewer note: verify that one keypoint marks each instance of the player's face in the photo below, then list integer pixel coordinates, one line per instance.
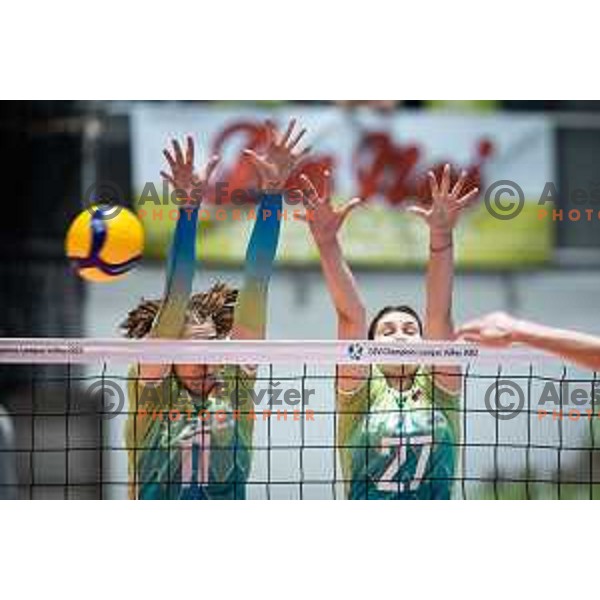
(397, 326)
(198, 378)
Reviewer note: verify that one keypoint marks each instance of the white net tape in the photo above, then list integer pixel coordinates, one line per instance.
(81, 350)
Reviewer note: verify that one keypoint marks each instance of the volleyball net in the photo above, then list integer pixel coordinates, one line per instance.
(85, 420)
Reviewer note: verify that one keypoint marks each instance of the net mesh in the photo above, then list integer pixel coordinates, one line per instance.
(84, 423)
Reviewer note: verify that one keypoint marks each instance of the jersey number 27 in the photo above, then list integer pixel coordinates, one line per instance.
(421, 444)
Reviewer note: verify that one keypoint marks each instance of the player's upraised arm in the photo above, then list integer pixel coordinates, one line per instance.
(325, 222)
(170, 320)
(273, 168)
(182, 254)
(499, 329)
(441, 218)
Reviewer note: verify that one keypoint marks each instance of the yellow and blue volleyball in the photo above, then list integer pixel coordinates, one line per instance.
(104, 244)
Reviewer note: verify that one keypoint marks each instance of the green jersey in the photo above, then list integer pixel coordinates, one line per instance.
(184, 446)
(398, 445)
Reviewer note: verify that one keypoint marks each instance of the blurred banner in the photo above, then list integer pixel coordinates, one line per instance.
(383, 157)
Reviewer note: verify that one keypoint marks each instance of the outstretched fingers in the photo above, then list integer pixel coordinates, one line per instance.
(178, 153)
(351, 205)
(468, 199)
(418, 210)
(168, 178)
(189, 153)
(309, 194)
(211, 166)
(303, 154)
(270, 133)
(433, 184)
(295, 141)
(458, 186)
(445, 184)
(467, 336)
(169, 158)
(288, 132)
(328, 183)
(262, 167)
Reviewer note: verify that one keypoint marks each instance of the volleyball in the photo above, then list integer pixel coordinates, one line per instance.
(104, 246)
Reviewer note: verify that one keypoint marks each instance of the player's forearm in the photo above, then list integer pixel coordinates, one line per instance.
(439, 282)
(251, 309)
(180, 274)
(342, 286)
(578, 347)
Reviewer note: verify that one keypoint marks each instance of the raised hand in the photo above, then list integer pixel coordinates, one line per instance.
(325, 220)
(447, 204)
(279, 159)
(182, 175)
(497, 329)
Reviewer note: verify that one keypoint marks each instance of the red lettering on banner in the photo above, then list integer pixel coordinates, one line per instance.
(387, 169)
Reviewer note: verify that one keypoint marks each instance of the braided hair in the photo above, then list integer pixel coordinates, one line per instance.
(217, 303)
